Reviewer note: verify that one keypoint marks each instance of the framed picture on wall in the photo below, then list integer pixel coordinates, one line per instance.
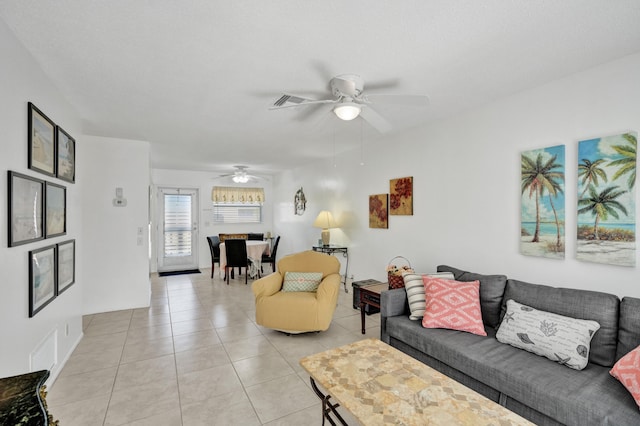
(66, 260)
(542, 202)
(56, 210)
(42, 142)
(401, 196)
(606, 215)
(26, 209)
(66, 156)
(42, 278)
(379, 211)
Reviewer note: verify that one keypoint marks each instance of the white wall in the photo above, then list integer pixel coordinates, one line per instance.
(116, 260)
(203, 182)
(467, 185)
(325, 188)
(22, 81)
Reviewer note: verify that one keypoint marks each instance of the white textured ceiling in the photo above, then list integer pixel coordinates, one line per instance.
(195, 77)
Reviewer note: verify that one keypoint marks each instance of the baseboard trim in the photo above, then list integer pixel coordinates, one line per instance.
(53, 374)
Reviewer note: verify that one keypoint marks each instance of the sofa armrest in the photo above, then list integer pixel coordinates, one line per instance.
(267, 286)
(392, 303)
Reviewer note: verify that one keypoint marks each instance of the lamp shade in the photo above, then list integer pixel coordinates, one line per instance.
(325, 220)
(347, 111)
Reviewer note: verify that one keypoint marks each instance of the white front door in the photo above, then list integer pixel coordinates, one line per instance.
(178, 229)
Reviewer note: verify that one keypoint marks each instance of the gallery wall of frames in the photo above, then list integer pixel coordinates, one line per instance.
(38, 209)
(398, 202)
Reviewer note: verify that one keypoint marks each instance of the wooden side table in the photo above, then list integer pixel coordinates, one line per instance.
(370, 295)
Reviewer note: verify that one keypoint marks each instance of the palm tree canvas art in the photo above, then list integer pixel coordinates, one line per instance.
(606, 200)
(542, 207)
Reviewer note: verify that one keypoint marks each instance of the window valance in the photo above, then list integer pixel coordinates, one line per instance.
(231, 194)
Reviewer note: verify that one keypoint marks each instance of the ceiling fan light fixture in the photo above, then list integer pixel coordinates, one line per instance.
(347, 111)
(240, 178)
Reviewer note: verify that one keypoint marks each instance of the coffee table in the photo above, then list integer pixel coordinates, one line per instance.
(380, 385)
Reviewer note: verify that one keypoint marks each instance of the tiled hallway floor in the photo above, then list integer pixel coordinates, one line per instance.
(195, 357)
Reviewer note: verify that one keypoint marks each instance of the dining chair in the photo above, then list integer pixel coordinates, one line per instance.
(271, 257)
(236, 250)
(254, 236)
(214, 246)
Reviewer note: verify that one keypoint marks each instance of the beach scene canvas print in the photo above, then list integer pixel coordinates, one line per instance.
(606, 200)
(542, 207)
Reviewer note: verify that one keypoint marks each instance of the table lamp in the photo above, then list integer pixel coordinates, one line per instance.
(325, 221)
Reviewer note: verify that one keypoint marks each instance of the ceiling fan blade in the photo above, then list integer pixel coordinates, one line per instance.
(375, 120)
(291, 101)
(382, 84)
(312, 111)
(278, 94)
(411, 100)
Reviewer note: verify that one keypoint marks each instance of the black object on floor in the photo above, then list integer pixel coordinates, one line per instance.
(188, 271)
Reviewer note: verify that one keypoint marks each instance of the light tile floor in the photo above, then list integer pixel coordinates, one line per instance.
(195, 357)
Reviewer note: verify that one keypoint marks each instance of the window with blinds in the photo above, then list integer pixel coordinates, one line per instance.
(177, 225)
(237, 204)
(237, 213)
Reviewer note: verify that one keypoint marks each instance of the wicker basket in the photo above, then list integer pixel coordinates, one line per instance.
(394, 272)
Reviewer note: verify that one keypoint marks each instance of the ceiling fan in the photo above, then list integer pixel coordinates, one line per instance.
(240, 175)
(349, 101)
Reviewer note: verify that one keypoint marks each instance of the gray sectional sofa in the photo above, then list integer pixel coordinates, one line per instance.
(543, 391)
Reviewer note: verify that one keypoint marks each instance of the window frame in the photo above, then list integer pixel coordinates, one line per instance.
(236, 218)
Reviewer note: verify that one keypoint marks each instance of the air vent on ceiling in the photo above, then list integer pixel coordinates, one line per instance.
(284, 99)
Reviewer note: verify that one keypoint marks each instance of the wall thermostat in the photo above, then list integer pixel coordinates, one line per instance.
(119, 201)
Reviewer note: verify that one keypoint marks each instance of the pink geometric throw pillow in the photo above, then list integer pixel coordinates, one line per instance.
(627, 371)
(453, 305)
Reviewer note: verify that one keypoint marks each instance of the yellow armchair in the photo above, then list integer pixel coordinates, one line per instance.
(298, 312)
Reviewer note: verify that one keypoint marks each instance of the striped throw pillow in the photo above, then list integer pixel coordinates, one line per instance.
(414, 286)
(301, 281)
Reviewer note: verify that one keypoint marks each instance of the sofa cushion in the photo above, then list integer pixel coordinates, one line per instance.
(586, 397)
(453, 304)
(491, 292)
(561, 339)
(582, 304)
(627, 371)
(414, 286)
(629, 326)
(301, 281)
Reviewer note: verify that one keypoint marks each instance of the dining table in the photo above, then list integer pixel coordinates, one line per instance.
(255, 250)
